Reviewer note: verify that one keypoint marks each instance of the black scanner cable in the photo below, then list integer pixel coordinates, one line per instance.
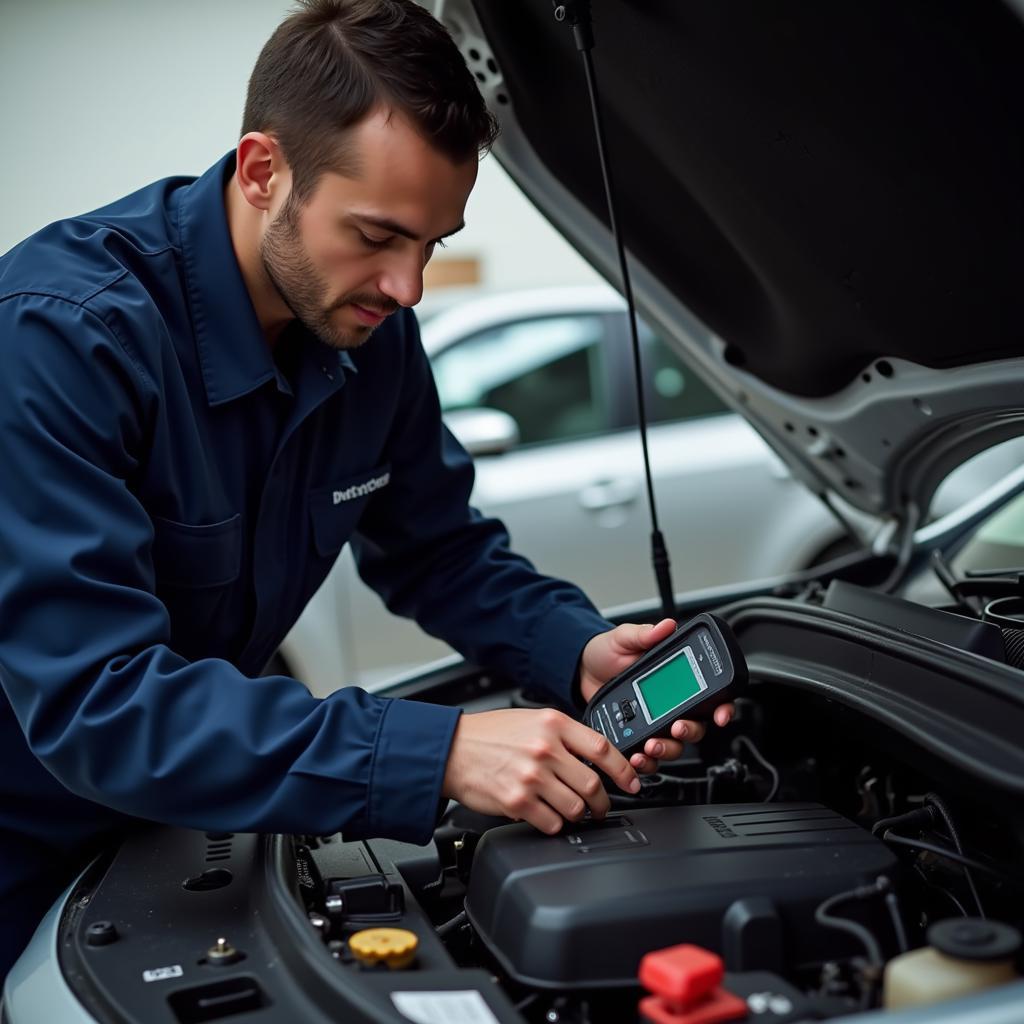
(577, 14)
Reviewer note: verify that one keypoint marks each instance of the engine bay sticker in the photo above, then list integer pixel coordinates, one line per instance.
(163, 973)
(465, 1007)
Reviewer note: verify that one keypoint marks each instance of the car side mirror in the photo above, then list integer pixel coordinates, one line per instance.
(483, 431)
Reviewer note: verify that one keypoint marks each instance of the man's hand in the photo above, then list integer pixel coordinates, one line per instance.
(608, 654)
(527, 765)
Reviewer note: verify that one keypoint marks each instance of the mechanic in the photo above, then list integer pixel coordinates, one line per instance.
(193, 427)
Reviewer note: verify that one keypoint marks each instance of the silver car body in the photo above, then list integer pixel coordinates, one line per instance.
(577, 509)
(731, 511)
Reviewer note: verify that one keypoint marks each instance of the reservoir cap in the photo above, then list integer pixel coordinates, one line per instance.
(972, 938)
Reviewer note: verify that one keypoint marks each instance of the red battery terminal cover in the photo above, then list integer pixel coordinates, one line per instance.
(685, 982)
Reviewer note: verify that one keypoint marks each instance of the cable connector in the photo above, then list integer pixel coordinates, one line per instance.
(920, 818)
(732, 769)
(863, 892)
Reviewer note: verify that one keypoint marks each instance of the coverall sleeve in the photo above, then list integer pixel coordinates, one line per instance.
(106, 706)
(434, 558)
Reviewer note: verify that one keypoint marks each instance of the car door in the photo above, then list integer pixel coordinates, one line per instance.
(728, 507)
(573, 493)
(558, 492)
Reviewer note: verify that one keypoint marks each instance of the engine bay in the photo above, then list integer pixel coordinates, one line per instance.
(746, 879)
(818, 846)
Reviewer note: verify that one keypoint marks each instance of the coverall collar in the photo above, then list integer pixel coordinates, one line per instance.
(233, 351)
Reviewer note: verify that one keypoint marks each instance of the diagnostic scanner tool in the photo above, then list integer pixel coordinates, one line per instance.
(686, 676)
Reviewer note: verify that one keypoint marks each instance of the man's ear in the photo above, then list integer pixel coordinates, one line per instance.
(261, 170)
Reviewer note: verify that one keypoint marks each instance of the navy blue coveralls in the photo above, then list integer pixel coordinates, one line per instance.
(170, 501)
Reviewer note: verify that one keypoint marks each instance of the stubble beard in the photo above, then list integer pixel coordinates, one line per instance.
(301, 287)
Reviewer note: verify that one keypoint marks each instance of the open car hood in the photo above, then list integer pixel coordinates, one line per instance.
(823, 206)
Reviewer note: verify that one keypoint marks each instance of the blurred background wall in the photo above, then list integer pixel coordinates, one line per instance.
(103, 96)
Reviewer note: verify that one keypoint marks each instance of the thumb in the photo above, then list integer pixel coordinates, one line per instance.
(642, 638)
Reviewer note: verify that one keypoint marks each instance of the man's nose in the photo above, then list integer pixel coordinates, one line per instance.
(403, 281)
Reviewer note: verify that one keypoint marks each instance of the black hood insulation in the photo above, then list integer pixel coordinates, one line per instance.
(822, 184)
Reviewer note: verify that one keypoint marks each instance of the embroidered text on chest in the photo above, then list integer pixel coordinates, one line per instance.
(361, 490)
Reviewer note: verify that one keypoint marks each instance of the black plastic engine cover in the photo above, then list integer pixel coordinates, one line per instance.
(580, 909)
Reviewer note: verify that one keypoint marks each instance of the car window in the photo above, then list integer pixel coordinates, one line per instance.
(673, 391)
(547, 373)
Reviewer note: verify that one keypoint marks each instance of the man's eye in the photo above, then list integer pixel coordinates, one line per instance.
(373, 243)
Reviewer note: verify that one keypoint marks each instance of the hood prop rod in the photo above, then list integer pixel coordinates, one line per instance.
(577, 14)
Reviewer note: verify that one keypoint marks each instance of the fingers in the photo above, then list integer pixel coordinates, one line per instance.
(558, 783)
(661, 749)
(592, 746)
(528, 765)
(524, 806)
(584, 782)
(567, 801)
(553, 784)
(687, 731)
(684, 731)
(693, 732)
(655, 751)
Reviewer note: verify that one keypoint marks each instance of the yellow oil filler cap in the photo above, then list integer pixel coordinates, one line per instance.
(394, 947)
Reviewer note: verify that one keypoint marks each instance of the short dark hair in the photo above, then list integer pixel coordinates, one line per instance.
(331, 62)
